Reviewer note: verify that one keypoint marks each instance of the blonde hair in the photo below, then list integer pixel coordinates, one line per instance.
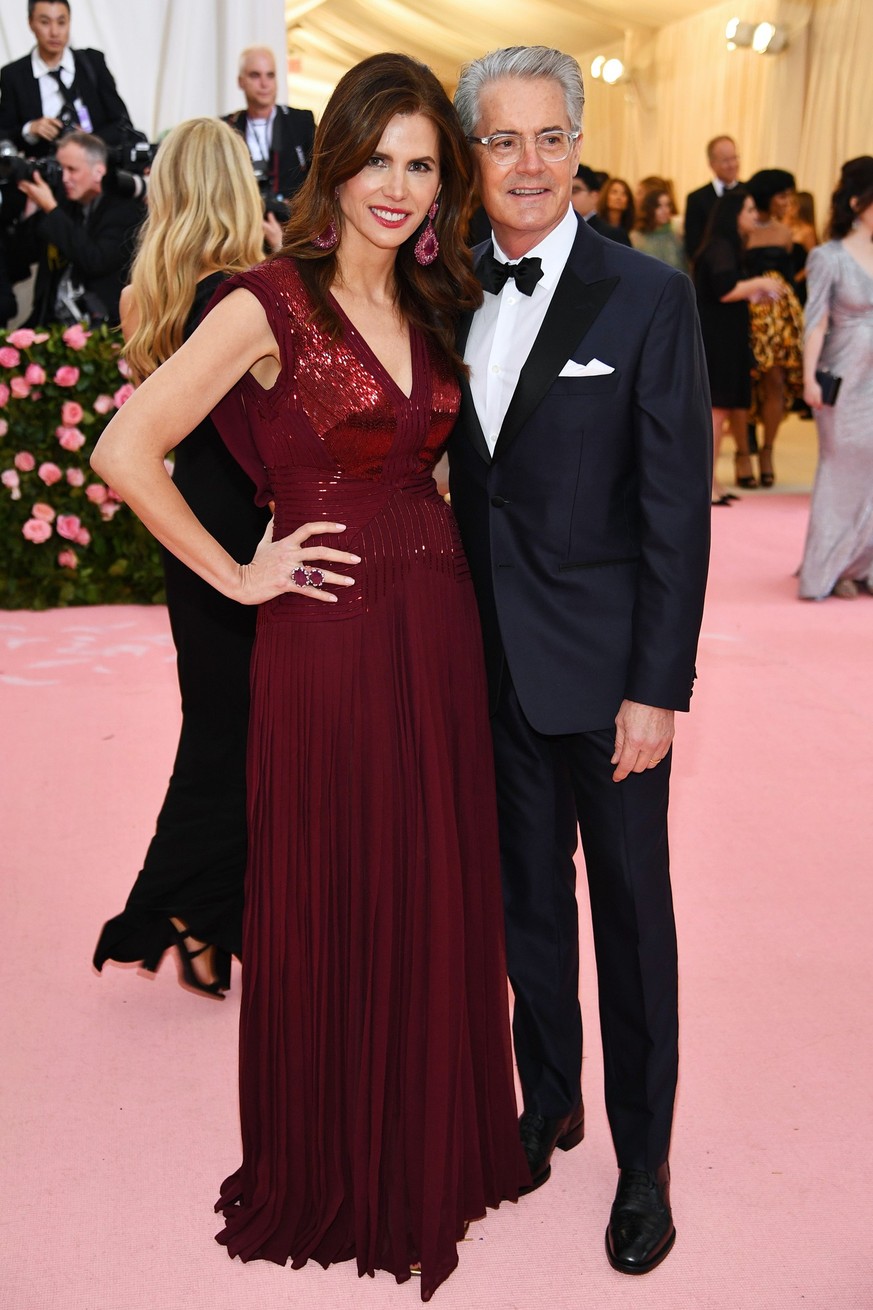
(204, 214)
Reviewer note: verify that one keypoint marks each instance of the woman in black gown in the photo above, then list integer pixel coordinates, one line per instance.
(204, 224)
(723, 296)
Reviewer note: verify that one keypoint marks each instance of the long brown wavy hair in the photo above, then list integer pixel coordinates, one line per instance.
(363, 103)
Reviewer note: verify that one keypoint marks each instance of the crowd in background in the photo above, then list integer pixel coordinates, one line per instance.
(73, 200)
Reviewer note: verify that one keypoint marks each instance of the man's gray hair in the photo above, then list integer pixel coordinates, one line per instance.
(94, 148)
(519, 61)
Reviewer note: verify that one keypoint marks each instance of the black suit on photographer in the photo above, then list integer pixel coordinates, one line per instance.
(56, 88)
(279, 138)
(83, 239)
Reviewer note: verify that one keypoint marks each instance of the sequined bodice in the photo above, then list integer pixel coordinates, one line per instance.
(336, 439)
(334, 407)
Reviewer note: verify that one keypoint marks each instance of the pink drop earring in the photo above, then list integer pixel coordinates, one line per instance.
(427, 247)
(327, 239)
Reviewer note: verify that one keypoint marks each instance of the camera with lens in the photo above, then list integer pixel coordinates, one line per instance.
(127, 165)
(15, 168)
(272, 203)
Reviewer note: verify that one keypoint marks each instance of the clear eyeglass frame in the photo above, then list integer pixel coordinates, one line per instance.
(507, 148)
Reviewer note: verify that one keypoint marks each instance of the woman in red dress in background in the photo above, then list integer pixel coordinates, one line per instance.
(378, 1112)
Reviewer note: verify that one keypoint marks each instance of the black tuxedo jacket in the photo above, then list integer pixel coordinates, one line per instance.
(604, 229)
(588, 531)
(290, 147)
(100, 250)
(699, 205)
(20, 101)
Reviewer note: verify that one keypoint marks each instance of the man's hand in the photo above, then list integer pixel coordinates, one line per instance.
(272, 233)
(643, 735)
(39, 192)
(46, 129)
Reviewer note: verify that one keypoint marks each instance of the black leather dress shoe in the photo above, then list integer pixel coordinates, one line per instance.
(640, 1232)
(540, 1136)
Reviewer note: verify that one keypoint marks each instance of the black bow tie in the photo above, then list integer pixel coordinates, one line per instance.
(493, 274)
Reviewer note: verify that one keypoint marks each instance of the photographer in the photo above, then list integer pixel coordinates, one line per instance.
(279, 139)
(55, 88)
(84, 241)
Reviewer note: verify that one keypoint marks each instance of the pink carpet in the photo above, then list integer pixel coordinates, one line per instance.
(119, 1115)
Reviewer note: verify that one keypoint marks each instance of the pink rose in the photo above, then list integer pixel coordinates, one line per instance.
(83, 537)
(75, 337)
(19, 387)
(37, 531)
(4, 394)
(124, 368)
(71, 413)
(68, 559)
(9, 357)
(69, 526)
(50, 474)
(35, 375)
(67, 376)
(43, 511)
(39, 338)
(23, 338)
(10, 479)
(70, 438)
(75, 477)
(97, 493)
(104, 405)
(108, 510)
(4, 427)
(24, 461)
(122, 394)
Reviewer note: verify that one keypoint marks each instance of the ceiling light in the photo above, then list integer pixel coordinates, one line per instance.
(597, 65)
(613, 69)
(769, 39)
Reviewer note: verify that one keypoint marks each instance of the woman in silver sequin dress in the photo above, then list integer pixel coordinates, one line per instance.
(838, 558)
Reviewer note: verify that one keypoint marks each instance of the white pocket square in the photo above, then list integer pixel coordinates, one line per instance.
(594, 368)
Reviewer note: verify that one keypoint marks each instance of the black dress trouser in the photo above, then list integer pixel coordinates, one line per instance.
(545, 786)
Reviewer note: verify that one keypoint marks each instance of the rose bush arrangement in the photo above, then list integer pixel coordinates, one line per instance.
(68, 538)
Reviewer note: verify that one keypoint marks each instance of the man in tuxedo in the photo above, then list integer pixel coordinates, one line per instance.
(584, 197)
(580, 478)
(56, 88)
(279, 138)
(725, 164)
(84, 242)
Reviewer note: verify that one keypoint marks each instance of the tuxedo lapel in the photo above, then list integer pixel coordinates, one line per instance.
(468, 418)
(575, 306)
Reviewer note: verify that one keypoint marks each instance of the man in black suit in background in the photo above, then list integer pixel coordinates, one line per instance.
(584, 197)
(84, 241)
(580, 478)
(55, 87)
(279, 138)
(725, 164)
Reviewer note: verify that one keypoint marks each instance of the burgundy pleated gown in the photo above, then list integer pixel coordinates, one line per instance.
(376, 1096)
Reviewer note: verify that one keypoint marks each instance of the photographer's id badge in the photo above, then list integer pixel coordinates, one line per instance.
(83, 116)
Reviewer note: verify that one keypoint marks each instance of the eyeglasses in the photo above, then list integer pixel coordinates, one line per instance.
(508, 147)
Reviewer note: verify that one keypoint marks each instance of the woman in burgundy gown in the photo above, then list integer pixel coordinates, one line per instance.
(378, 1112)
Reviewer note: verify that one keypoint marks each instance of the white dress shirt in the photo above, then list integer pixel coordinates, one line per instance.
(49, 91)
(259, 136)
(504, 329)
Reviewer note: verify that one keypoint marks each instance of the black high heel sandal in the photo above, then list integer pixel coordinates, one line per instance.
(187, 958)
(768, 477)
(749, 481)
